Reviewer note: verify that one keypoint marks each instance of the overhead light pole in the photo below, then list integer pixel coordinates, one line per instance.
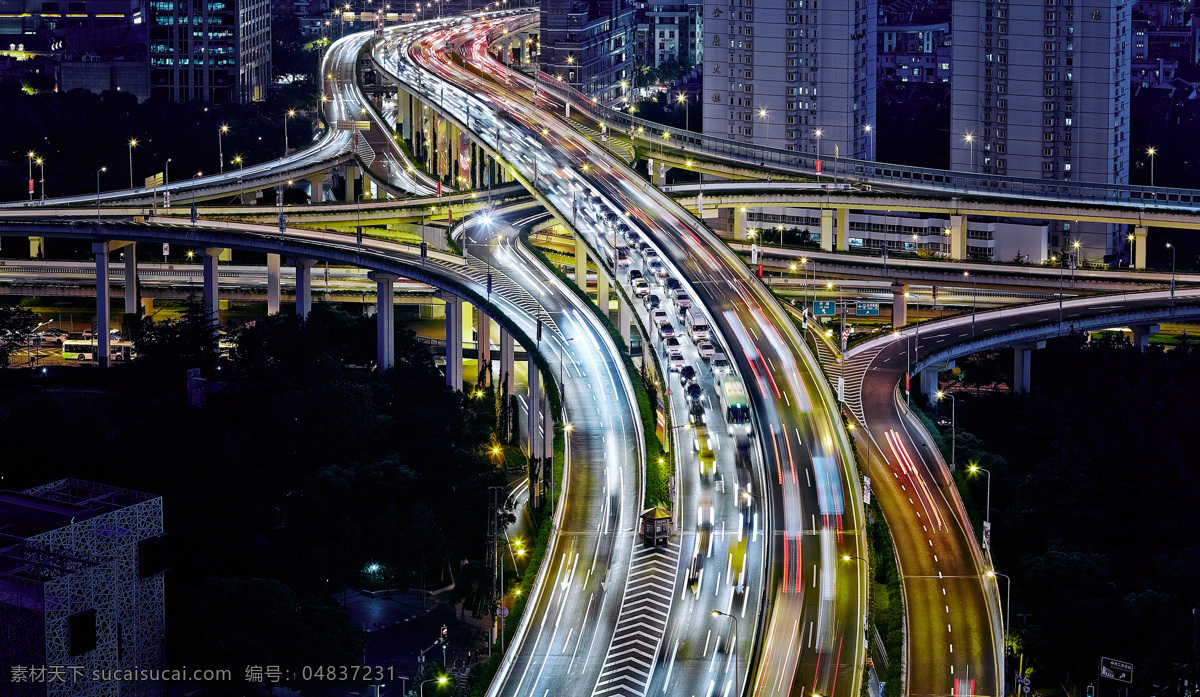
(98, 172)
(221, 145)
(954, 430)
(132, 145)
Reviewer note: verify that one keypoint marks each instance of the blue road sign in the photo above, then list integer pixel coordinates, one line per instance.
(824, 308)
(866, 309)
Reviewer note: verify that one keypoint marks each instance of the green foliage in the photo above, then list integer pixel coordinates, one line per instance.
(887, 599)
(179, 344)
(15, 325)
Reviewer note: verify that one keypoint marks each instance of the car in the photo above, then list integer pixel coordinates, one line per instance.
(672, 284)
(659, 315)
(706, 349)
(695, 406)
(634, 237)
(675, 360)
(53, 334)
(695, 395)
(640, 287)
(671, 344)
(719, 364)
(651, 301)
(687, 374)
(635, 274)
(622, 257)
(682, 301)
(661, 274)
(665, 328)
(642, 246)
(650, 253)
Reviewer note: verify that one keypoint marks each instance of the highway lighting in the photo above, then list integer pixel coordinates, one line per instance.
(1151, 151)
(817, 133)
(970, 140)
(733, 636)
(1007, 601)
(687, 106)
(953, 426)
(871, 139)
(987, 515)
(32, 157)
(98, 172)
(441, 680)
(41, 163)
(132, 145)
(974, 294)
(220, 145)
(1170, 247)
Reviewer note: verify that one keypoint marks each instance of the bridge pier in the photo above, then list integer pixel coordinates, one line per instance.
(739, 223)
(826, 230)
(304, 287)
(843, 226)
(212, 302)
(385, 320)
(103, 303)
(581, 256)
(404, 114)
(454, 339)
(484, 346)
(601, 288)
(1022, 360)
(1141, 334)
(899, 305)
(547, 441)
(37, 247)
(624, 317)
(507, 361)
(272, 284)
(351, 183)
(316, 187)
(929, 380)
(958, 237)
(1139, 247)
(131, 280)
(532, 432)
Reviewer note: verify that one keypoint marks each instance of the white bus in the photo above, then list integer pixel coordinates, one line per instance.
(697, 326)
(735, 404)
(85, 350)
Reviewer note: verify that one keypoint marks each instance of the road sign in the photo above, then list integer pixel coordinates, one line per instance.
(155, 181)
(1113, 669)
(866, 309)
(501, 612)
(825, 308)
(346, 125)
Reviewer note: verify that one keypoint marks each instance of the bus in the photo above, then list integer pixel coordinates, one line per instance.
(85, 350)
(736, 405)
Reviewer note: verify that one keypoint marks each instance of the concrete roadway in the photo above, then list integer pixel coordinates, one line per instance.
(585, 568)
(814, 639)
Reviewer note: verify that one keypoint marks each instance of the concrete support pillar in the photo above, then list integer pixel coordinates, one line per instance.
(843, 228)
(507, 361)
(929, 381)
(131, 279)
(1139, 247)
(385, 320)
(103, 303)
(739, 223)
(272, 284)
(532, 430)
(37, 247)
(601, 288)
(304, 287)
(958, 237)
(316, 186)
(826, 229)
(1141, 334)
(212, 302)
(484, 352)
(404, 114)
(547, 437)
(351, 178)
(454, 339)
(147, 306)
(899, 305)
(1022, 359)
(624, 317)
(581, 255)
(468, 322)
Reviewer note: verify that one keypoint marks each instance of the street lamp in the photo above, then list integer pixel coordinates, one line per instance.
(764, 114)
(32, 157)
(1151, 152)
(98, 172)
(974, 295)
(132, 145)
(1007, 601)
(687, 121)
(970, 139)
(733, 635)
(290, 113)
(41, 163)
(870, 140)
(987, 515)
(1130, 239)
(167, 176)
(237, 160)
(1170, 247)
(221, 145)
(953, 426)
(440, 680)
(817, 135)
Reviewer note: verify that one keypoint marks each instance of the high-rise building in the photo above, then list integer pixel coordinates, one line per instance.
(82, 594)
(1041, 89)
(588, 44)
(210, 50)
(670, 32)
(792, 74)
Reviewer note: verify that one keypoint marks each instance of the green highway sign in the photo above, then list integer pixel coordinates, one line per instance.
(824, 308)
(866, 309)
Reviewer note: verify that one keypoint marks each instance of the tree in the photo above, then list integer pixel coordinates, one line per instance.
(188, 342)
(15, 325)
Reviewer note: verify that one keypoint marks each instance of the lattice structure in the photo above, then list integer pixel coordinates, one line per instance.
(67, 550)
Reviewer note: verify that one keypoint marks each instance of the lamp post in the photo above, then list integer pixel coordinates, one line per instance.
(733, 635)
(440, 680)
(132, 145)
(1007, 600)
(32, 157)
(970, 140)
(41, 163)
(1130, 239)
(987, 515)
(221, 145)
(1172, 248)
(687, 121)
(237, 160)
(194, 178)
(974, 295)
(98, 172)
(290, 113)
(817, 135)
(870, 140)
(1151, 152)
(954, 429)
(167, 175)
